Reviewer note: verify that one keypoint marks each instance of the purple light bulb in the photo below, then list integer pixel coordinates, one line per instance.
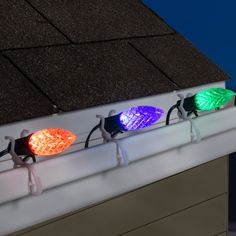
(140, 117)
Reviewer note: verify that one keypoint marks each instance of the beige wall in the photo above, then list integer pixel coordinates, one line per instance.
(191, 203)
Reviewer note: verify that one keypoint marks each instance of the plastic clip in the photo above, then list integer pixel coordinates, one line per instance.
(34, 183)
(182, 114)
(122, 159)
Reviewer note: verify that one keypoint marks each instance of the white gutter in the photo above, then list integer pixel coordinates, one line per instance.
(80, 178)
(79, 194)
(81, 164)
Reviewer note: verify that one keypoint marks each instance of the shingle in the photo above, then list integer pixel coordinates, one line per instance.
(88, 75)
(179, 60)
(19, 100)
(21, 26)
(94, 20)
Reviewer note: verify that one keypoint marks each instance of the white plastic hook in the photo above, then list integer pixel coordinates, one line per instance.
(35, 185)
(15, 158)
(105, 135)
(194, 131)
(121, 156)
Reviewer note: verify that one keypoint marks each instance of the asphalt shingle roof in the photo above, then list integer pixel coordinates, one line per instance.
(19, 99)
(93, 20)
(81, 76)
(73, 54)
(179, 60)
(22, 26)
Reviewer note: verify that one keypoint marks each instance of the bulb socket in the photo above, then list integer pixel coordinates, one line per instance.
(21, 146)
(189, 104)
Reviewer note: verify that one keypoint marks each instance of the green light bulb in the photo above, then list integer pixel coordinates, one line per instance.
(212, 98)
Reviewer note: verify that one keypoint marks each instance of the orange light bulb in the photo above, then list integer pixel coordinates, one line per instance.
(50, 141)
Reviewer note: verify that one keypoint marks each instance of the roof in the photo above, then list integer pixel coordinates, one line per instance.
(61, 55)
